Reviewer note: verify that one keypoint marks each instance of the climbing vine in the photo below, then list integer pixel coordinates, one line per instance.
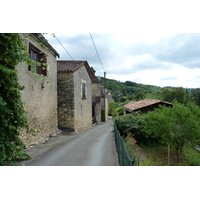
(12, 114)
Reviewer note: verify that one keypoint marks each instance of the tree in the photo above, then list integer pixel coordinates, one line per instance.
(195, 96)
(177, 94)
(12, 117)
(130, 123)
(175, 126)
(139, 96)
(130, 83)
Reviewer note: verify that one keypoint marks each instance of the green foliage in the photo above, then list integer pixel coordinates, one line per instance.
(111, 107)
(130, 123)
(176, 126)
(191, 155)
(139, 96)
(170, 95)
(121, 91)
(115, 109)
(12, 118)
(195, 96)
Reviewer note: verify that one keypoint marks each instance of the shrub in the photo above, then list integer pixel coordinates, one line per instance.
(131, 123)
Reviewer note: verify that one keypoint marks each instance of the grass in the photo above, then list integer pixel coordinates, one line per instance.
(137, 153)
(192, 156)
(157, 154)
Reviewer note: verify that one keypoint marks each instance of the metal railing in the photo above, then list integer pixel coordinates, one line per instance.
(123, 155)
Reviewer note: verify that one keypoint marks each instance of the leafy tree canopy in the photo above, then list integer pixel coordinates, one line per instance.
(176, 126)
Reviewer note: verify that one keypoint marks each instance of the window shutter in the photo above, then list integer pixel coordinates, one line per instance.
(44, 67)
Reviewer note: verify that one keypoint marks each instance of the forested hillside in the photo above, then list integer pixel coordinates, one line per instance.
(121, 91)
(128, 90)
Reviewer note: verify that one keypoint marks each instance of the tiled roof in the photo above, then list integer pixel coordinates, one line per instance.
(72, 66)
(42, 39)
(136, 105)
(91, 73)
(69, 66)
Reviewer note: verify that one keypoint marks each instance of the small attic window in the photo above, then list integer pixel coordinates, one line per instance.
(39, 58)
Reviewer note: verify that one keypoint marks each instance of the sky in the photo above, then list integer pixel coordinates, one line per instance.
(153, 58)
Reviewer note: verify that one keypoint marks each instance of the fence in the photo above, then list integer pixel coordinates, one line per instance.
(123, 155)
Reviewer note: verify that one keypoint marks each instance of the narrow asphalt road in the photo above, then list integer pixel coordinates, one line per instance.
(95, 147)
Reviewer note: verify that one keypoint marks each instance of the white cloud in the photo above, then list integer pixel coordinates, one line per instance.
(162, 59)
(129, 37)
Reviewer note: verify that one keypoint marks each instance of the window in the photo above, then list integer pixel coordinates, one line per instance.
(83, 91)
(40, 60)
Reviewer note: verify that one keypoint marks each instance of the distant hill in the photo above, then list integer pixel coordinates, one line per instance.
(120, 91)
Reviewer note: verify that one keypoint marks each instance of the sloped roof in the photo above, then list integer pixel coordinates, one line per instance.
(42, 39)
(72, 66)
(91, 73)
(136, 105)
(69, 66)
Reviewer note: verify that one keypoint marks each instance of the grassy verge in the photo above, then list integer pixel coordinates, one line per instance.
(159, 154)
(137, 153)
(192, 156)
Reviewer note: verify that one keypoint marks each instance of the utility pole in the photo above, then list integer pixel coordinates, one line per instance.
(105, 93)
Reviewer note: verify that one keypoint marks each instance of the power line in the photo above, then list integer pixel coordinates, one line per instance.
(63, 46)
(96, 51)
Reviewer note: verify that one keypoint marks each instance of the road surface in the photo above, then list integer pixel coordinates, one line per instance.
(94, 147)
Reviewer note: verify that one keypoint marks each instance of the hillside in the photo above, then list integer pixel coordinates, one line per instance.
(121, 91)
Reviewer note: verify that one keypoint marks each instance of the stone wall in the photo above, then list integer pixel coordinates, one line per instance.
(83, 106)
(74, 112)
(96, 101)
(40, 98)
(104, 103)
(66, 102)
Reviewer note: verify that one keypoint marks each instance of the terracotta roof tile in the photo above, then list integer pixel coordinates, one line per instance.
(136, 105)
(72, 66)
(69, 66)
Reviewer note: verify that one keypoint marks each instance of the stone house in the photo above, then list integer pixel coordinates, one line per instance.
(39, 95)
(78, 96)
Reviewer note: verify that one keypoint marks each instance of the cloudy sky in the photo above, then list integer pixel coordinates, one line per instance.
(162, 59)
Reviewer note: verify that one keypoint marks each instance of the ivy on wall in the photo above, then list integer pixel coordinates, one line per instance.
(12, 114)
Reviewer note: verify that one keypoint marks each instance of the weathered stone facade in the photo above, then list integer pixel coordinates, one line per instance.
(96, 102)
(66, 102)
(39, 97)
(74, 107)
(83, 106)
(104, 102)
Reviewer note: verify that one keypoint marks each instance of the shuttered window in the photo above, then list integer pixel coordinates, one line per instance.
(40, 60)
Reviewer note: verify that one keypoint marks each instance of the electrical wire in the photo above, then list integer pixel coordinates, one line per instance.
(62, 46)
(97, 51)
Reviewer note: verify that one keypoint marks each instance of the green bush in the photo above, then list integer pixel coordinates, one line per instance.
(131, 123)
